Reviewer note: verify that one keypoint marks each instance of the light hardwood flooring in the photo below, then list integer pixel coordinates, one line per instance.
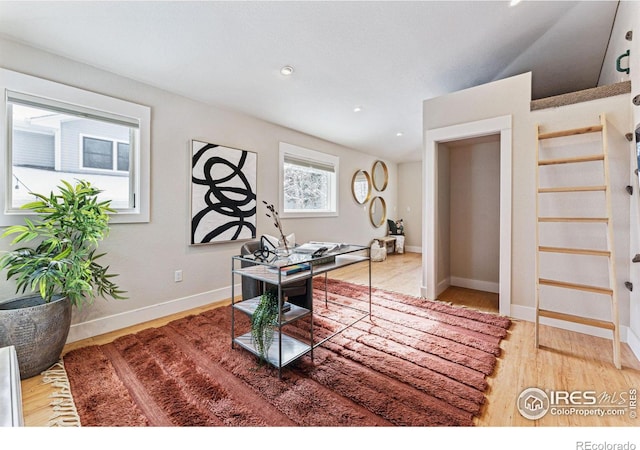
(566, 361)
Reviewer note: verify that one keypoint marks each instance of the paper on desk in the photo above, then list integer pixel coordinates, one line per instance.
(312, 246)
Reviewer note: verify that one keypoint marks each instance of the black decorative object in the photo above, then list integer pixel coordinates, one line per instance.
(223, 193)
(396, 227)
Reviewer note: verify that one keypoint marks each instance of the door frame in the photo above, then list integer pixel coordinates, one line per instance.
(497, 125)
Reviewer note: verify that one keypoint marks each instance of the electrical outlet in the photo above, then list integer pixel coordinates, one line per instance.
(177, 276)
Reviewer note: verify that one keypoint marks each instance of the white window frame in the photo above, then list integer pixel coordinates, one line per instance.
(114, 156)
(82, 101)
(311, 156)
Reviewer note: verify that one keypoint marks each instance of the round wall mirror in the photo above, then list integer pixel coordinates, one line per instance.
(361, 186)
(380, 175)
(378, 212)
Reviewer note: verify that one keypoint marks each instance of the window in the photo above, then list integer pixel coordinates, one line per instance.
(122, 162)
(104, 154)
(55, 132)
(309, 182)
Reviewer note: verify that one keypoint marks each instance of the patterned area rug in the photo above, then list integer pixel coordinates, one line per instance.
(413, 363)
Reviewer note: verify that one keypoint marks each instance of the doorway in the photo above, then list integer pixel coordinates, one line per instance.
(436, 203)
(473, 192)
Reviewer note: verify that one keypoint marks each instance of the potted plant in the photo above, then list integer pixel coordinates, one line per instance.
(263, 321)
(59, 271)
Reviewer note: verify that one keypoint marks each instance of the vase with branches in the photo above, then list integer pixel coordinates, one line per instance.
(273, 215)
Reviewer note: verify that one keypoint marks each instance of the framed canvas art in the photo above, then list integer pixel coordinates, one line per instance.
(223, 193)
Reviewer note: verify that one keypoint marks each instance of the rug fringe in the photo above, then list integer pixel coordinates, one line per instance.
(65, 413)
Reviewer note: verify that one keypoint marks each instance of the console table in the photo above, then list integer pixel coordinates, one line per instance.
(388, 242)
(286, 349)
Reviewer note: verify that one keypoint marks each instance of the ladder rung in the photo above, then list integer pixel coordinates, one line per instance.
(575, 159)
(579, 287)
(574, 251)
(574, 219)
(573, 189)
(576, 319)
(575, 131)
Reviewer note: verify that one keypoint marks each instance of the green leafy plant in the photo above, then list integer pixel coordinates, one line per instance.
(263, 321)
(68, 227)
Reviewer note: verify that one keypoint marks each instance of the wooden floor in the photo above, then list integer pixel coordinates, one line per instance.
(566, 361)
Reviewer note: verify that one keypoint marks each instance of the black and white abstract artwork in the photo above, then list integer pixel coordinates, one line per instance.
(223, 193)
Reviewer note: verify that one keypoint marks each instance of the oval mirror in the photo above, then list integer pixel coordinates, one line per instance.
(361, 186)
(378, 212)
(380, 175)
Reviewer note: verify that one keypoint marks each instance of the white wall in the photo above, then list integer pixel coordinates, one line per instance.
(512, 96)
(410, 203)
(628, 19)
(146, 255)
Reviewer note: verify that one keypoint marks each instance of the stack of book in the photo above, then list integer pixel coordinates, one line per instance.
(288, 270)
(323, 260)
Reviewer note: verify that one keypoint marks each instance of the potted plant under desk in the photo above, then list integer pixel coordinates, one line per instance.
(58, 272)
(263, 322)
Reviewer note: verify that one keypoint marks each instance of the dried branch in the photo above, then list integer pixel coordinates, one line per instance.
(276, 221)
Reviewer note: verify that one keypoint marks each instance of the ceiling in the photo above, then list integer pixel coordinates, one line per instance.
(384, 57)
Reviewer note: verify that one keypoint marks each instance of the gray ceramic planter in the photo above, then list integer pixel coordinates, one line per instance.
(38, 330)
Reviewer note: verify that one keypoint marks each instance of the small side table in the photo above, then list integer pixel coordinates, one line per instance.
(388, 242)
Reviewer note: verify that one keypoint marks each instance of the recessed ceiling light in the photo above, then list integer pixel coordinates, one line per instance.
(286, 70)
(357, 109)
(399, 133)
(514, 2)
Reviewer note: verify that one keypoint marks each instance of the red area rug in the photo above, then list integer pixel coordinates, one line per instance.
(414, 363)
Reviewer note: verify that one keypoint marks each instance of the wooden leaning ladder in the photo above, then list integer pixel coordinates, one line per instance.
(610, 291)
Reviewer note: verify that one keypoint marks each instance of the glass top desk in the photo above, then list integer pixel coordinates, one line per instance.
(280, 271)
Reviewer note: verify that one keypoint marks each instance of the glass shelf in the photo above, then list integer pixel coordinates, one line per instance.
(249, 306)
(292, 348)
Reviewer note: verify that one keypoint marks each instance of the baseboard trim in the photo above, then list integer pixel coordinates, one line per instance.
(478, 285)
(126, 319)
(412, 249)
(442, 286)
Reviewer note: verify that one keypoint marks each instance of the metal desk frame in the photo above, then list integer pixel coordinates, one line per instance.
(288, 349)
